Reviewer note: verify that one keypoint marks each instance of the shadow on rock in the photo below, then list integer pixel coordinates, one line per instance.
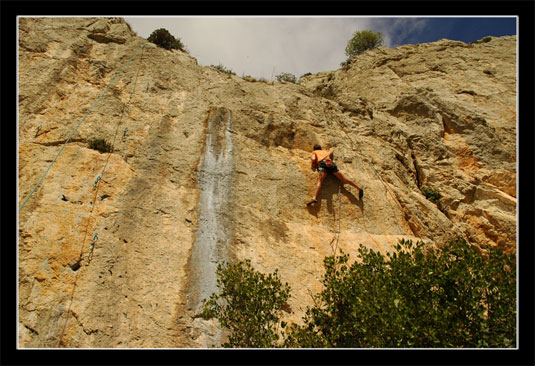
(329, 193)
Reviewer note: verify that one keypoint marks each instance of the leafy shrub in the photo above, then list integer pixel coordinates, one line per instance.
(286, 76)
(249, 78)
(363, 41)
(222, 68)
(484, 40)
(432, 194)
(163, 38)
(100, 145)
(249, 305)
(446, 297)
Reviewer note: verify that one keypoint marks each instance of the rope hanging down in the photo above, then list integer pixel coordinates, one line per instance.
(99, 177)
(80, 123)
(96, 186)
(387, 189)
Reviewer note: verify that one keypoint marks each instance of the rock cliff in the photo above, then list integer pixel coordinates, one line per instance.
(118, 249)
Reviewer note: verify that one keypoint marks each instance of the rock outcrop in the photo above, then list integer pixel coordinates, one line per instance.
(118, 249)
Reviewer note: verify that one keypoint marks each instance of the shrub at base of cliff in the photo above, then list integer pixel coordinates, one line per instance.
(163, 38)
(451, 297)
(249, 305)
(438, 298)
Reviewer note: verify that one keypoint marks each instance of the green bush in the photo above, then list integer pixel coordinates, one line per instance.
(484, 40)
(163, 38)
(249, 305)
(432, 194)
(286, 76)
(363, 41)
(249, 78)
(100, 145)
(222, 68)
(446, 297)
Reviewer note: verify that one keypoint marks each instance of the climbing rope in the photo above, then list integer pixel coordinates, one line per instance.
(336, 228)
(94, 201)
(91, 248)
(27, 27)
(99, 177)
(352, 144)
(80, 123)
(122, 114)
(336, 237)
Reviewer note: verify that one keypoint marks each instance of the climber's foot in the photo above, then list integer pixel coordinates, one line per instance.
(311, 202)
(361, 193)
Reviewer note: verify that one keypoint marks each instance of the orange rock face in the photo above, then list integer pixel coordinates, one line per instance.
(207, 167)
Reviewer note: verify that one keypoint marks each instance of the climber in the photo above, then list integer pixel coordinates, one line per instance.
(322, 160)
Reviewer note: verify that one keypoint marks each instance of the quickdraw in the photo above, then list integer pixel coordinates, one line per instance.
(92, 247)
(99, 177)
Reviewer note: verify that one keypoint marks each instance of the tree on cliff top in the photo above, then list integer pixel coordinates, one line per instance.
(446, 297)
(163, 38)
(363, 41)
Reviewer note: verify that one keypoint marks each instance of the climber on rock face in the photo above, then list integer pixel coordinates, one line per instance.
(323, 160)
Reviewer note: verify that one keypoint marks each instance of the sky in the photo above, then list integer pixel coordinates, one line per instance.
(263, 47)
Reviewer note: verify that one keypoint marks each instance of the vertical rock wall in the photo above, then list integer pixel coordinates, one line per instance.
(207, 166)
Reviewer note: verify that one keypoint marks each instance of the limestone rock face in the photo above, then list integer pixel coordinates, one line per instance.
(117, 249)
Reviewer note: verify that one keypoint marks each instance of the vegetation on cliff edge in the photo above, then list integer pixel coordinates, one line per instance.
(163, 38)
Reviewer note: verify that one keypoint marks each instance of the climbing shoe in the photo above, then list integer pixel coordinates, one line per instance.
(311, 202)
(361, 193)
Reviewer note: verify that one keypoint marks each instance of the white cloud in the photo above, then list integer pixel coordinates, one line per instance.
(266, 46)
(260, 46)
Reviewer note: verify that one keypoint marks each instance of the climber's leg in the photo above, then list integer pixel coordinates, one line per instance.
(321, 178)
(344, 180)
